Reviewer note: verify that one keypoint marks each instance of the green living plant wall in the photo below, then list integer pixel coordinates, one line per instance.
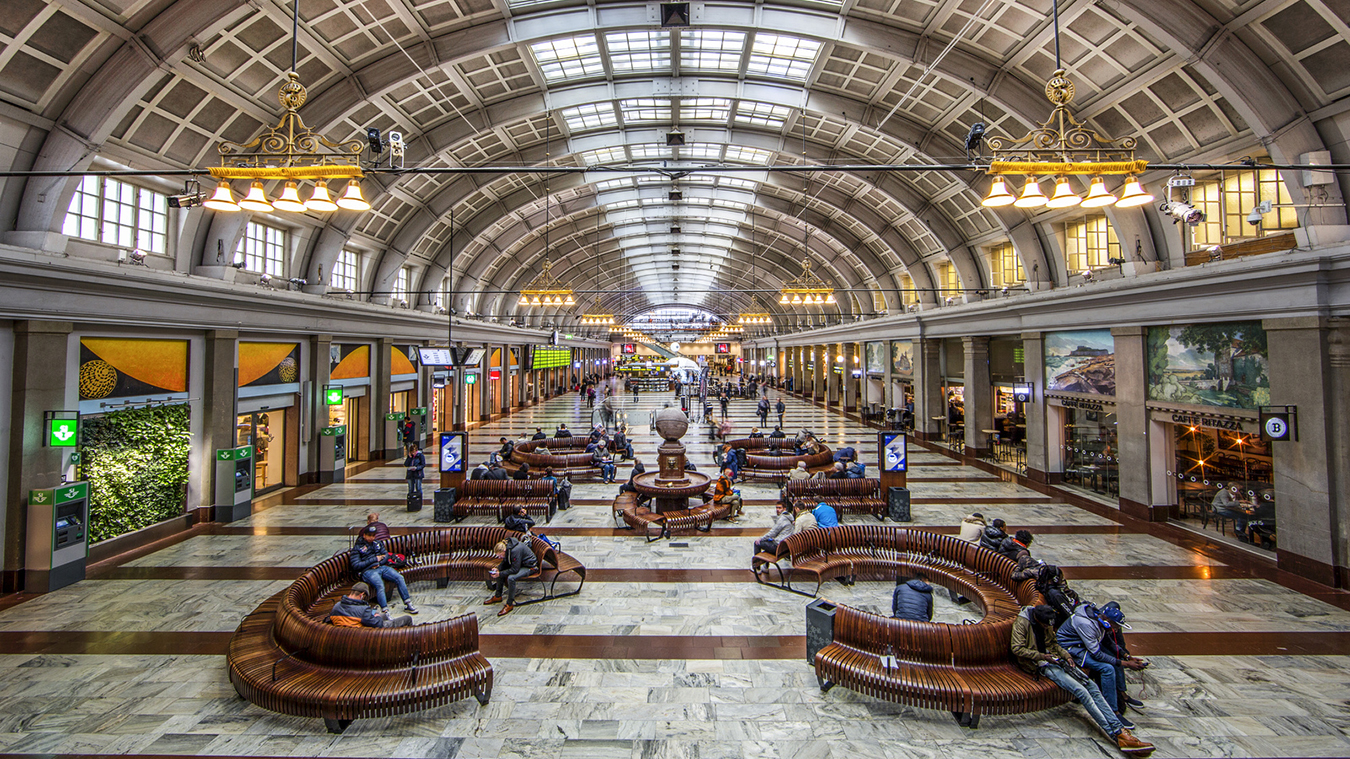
(136, 462)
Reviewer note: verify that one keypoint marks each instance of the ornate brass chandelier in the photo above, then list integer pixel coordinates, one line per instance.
(546, 290)
(289, 152)
(806, 290)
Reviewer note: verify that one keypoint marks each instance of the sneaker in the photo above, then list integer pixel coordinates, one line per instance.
(1129, 744)
(1124, 721)
(505, 610)
(1134, 702)
(493, 600)
(384, 610)
(408, 607)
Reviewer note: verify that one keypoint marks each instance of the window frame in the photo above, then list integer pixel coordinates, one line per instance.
(282, 244)
(135, 217)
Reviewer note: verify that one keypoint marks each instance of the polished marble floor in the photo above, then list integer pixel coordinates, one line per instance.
(738, 701)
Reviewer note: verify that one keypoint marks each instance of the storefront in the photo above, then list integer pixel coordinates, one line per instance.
(349, 366)
(267, 431)
(1219, 474)
(268, 411)
(1083, 431)
(351, 413)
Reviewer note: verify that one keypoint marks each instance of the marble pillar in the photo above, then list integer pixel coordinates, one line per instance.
(1132, 426)
(219, 406)
(979, 395)
(320, 371)
(928, 400)
(851, 383)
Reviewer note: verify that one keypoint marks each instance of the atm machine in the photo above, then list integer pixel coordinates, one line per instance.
(58, 537)
(419, 417)
(393, 425)
(333, 454)
(234, 483)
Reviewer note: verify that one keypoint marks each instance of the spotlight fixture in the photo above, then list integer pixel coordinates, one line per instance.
(675, 195)
(675, 229)
(374, 140)
(298, 281)
(674, 138)
(974, 138)
(191, 196)
(913, 308)
(135, 256)
(1183, 212)
(1088, 276)
(238, 264)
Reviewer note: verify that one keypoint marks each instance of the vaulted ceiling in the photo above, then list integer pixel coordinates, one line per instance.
(484, 83)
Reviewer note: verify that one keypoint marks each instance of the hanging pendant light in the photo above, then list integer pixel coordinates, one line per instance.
(1064, 196)
(352, 200)
(829, 298)
(535, 301)
(320, 200)
(222, 199)
(523, 301)
(256, 200)
(570, 300)
(796, 299)
(784, 300)
(1032, 197)
(290, 199)
(1098, 196)
(1134, 194)
(998, 195)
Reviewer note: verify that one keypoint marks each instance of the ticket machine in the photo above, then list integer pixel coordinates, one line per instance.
(393, 434)
(234, 483)
(333, 454)
(58, 537)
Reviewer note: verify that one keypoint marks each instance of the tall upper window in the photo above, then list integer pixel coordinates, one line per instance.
(401, 285)
(1089, 244)
(344, 271)
(1005, 268)
(948, 279)
(907, 294)
(263, 249)
(1227, 202)
(118, 214)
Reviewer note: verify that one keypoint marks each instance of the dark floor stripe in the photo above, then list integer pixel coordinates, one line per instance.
(722, 530)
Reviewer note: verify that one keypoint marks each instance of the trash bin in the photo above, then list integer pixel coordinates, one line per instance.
(897, 502)
(443, 501)
(819, 627)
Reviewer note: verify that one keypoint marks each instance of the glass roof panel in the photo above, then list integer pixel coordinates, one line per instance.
(638, 51)
(743, 154)
(782, 57)
(645, 109)
(568, 58)
(707, 152)
(603, 155)
(762, 114)
(590, 116)
(705, 109)
(647, 152)
(708, 50)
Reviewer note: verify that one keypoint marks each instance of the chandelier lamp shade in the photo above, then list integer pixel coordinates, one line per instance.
(597, 320)
(806, 290)
(1063, 147)
(546, 290)
(290, 153)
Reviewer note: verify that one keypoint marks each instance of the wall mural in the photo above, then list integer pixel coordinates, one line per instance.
(114, 367)
(268, 363)
(401, 358)
(1220, 364)
(875, 357)
(349, 361)
(1080, 361)
(902, 359)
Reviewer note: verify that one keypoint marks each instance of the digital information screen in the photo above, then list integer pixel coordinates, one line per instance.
(551, 358)
(894, 455)
(475, 357)
(452, 452)
(435, 357)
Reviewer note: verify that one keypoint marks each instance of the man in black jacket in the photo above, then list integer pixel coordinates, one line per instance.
(496, 472)
(539, 434)
(912, 599)
(371, 562)
(517, 562)
(779, 408)
(353, 610)
(562, 431)
(994, 535)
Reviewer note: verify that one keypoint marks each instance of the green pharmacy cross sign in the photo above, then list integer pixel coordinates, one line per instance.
(332, 395)
(63, 433)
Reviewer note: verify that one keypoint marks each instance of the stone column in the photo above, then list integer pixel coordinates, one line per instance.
(1033, 368)
(41, 349)
(484, 385)
(1132, 426)
(928, 400)
(979, 395)
(888, 400)
(457, 391)
(850, 383)
(1307, 491)
(1338, 354)
(320, 371)
(220, 406)
(382, 384)
(820, 377)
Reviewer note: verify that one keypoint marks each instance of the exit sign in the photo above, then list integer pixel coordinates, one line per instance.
(63, 433)
(333, 395)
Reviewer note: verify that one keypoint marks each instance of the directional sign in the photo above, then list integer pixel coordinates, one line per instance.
(332, 395)
(1277, 426)
(63, 433)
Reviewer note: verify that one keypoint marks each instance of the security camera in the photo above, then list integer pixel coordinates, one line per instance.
(191, 195)
(951, 299)
(238, 264)
(265, 280)
(1003, 291)
(137, 256)
(1215, 252)
(374, 140)
(1258, 213)
(1088, 276)
(298, 281)
(1183, 212)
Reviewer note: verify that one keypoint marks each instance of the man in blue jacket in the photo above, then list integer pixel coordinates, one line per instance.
(1082, 637)
(371, 561)
(825, 515)
(912, 599)
(352, 610)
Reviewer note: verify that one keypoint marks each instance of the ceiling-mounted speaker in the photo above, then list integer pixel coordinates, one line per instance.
(674, 14)
(674, 138)
(675, 266)
(675, 195)
(675, 230)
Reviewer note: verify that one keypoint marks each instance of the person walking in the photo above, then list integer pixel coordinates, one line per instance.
(779, 408)
(763, 408)
(416, 464)
(724, 399)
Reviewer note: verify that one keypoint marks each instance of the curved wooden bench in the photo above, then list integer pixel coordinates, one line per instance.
(566, 455)
(777, 467)
(285, 658)
(861, 496)
(498, 498)
(656, 526)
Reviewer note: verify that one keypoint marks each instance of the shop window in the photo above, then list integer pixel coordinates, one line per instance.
(344, 271)
(118, 214)
(1091, 452)
(1225, 480)
(262, 249)
(1005, 268)
(1228, 200)
(1089, 244)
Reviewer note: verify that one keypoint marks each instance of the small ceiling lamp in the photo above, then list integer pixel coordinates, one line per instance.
(535, 301)
(1064, 196)
(998, 195)
(320, 200)
(290, 199)
(1134, 194)
(1098, 196)
(796, 299)
(783, 301)
(256, 200)
(222, 199)
(523, 301)
(1032, 197)
(570, 301)
(352, 200)
(829, 298)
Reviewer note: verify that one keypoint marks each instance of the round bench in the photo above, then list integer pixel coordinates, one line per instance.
(758, 462)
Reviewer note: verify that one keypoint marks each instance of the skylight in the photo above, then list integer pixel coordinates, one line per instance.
(647, 152)
(707, 152)
(638, 51)
(568, 58)
(782, 57)
(711, 50)
(705, 109)
(762, 114)
(603, 155)
(736, 182)
(747, 155)
(645, 109)
(590, 116)
(614, 184)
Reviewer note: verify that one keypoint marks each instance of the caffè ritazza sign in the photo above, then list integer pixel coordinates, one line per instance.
(1212, 422)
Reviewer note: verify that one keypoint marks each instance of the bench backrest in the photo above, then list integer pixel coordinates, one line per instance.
(507, 488)
(982, 644)
(865, 488)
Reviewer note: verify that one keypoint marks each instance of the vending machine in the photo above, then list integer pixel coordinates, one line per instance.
(58, 539)
(234, 483)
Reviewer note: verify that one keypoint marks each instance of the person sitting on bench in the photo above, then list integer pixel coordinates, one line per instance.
(799, 472)
(725, 495)
(519, 520)
(370, 561)
(562, 431)
(517, 562)
(539, 434)
(780, 531)
(381, 529)
(912, 599)
(806, 519)
(508, 447)
(353, 610)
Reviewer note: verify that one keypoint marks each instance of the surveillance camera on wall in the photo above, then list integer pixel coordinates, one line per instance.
(298, 282)
(1003, 291)
(237, 264)
(951, 299)
(1088, 276)
(1183, 212)
(187, 200)
(1259, 212)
